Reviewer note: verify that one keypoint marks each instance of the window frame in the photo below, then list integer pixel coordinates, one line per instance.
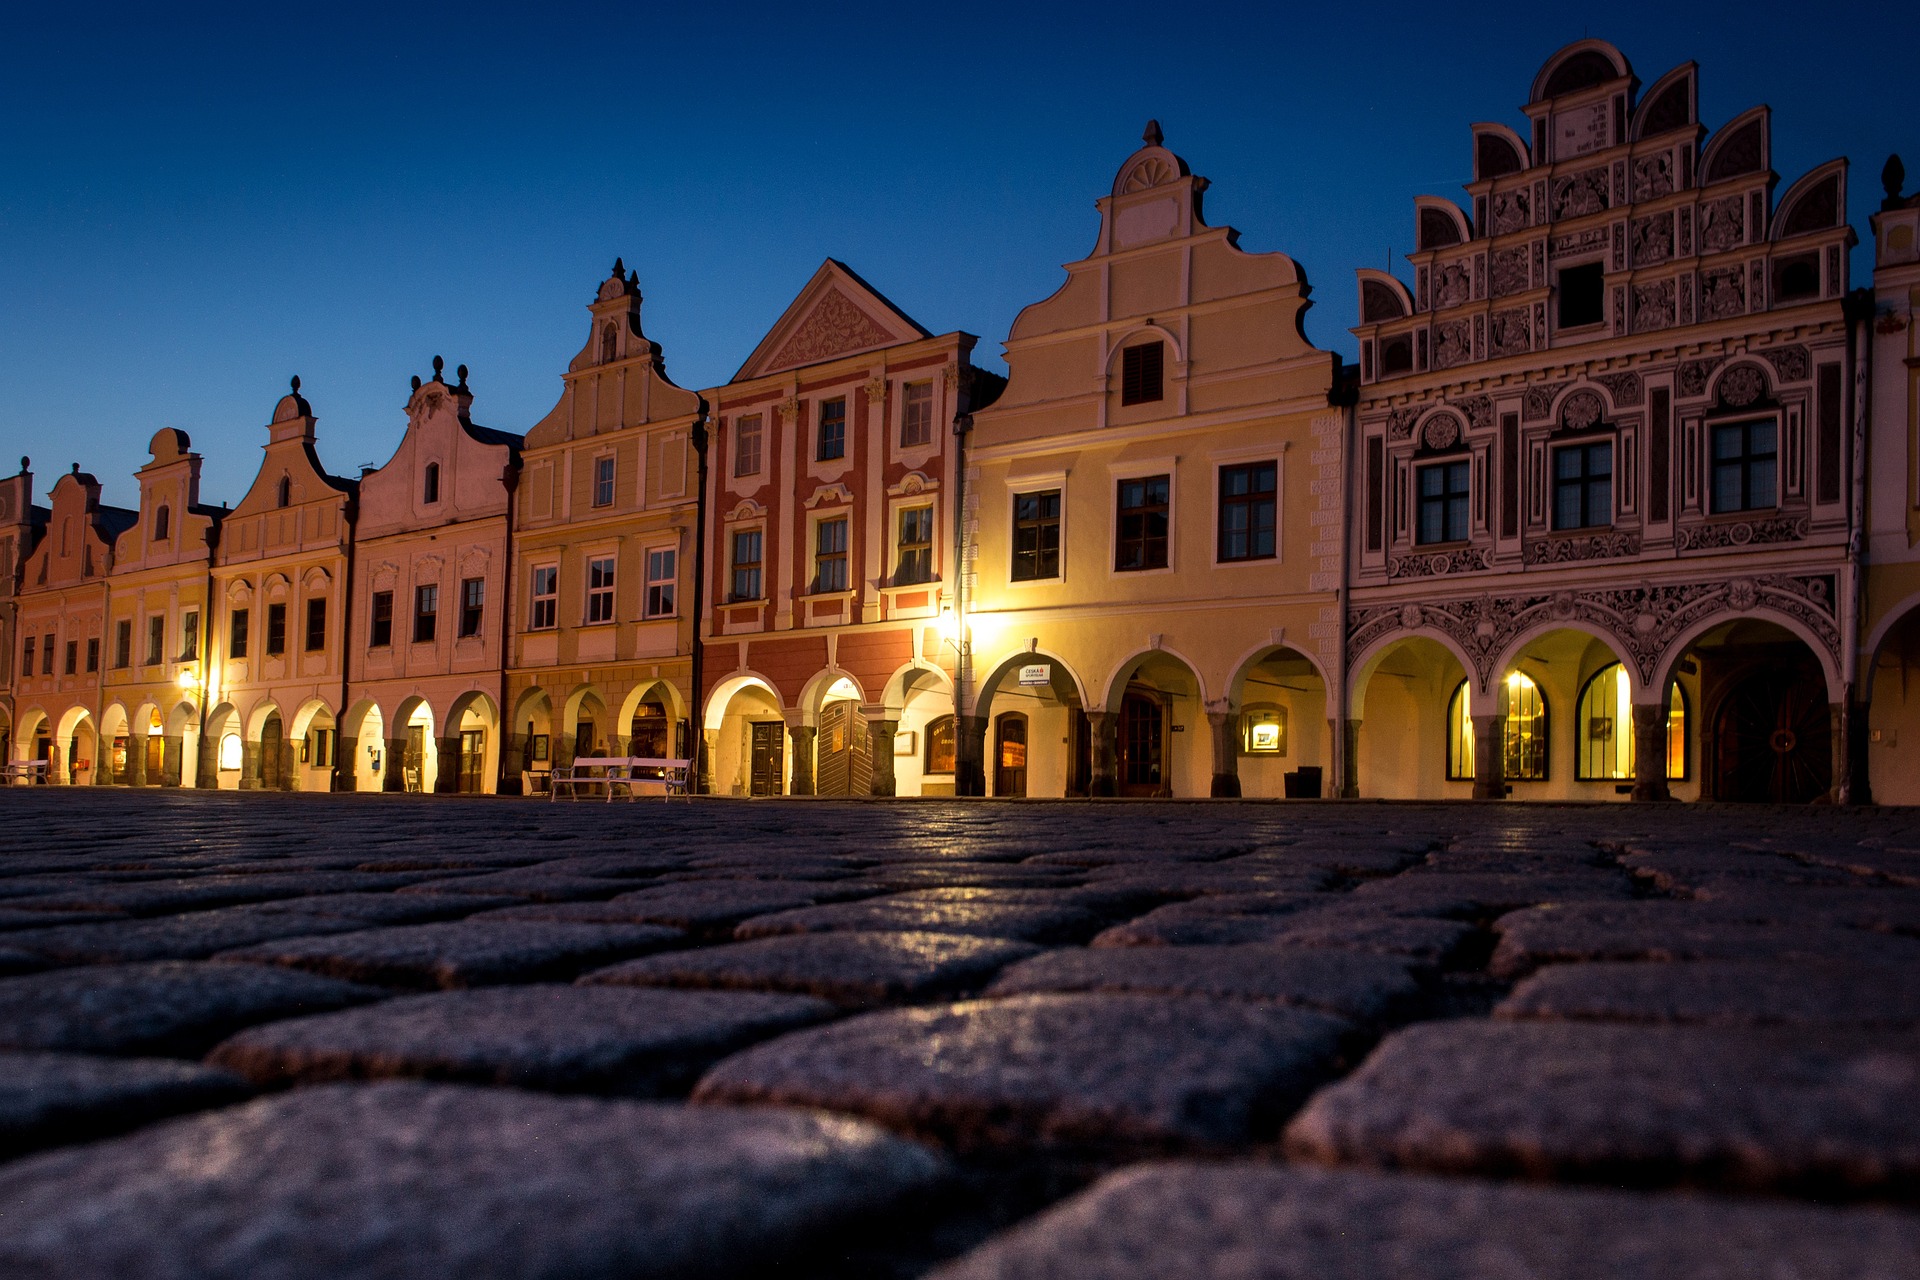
(1745, 461)
(163, 524)
(932, 734)
(122, 646)
(276, 638)
(606, 472)
(426, 612)
(1583, 727)
(601, 595)
(71, 666)
(840, 557)
(758, 436)
(93, 655)
(1581, 484)
(757, 566)
(239, 627)
(1461, 698)
(1225, 502)
(543, 607)
(430, 484)
(821, 419)
(316, 625)
(1145, 512)
(1038, 524)
(190, 635)
(1444, 499)
(380, 620)
(473, 607)
(922, 550)
(156, 640)
(1560, 323)
(662, 587)
(910, 400)
(1143, 378)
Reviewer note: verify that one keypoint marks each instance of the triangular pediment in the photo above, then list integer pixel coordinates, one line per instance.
(837, 314)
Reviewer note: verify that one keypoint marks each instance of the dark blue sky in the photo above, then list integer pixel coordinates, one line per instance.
(196, 203)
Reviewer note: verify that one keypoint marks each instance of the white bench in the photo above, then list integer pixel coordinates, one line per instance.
(608, 774)
(31, 772)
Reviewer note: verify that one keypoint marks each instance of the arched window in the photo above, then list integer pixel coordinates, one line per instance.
(430, 486)
(284, 495)
(1526, 732)
(609, 344)
(939, 752)
(1606, 729)
(162, 520)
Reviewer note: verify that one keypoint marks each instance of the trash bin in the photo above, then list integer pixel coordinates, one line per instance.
(1303, 783)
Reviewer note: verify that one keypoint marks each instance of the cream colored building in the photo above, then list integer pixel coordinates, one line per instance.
(604, 526)
(1152, 520)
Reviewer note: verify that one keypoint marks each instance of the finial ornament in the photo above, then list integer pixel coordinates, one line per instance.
(416, 382)
(438, 366)
(1893, 178)
(461, 373)
(76, 468)
(25, 463)
(296, 384)
(1153, 137)
(619, 268)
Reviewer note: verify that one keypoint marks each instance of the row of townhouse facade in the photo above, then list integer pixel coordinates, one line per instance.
(1621, 499)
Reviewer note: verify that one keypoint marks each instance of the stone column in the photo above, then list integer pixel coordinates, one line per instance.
(1106, 753)
(136, 760)
(970, 756)
(880, 733)
(396, 766)
(207, 774)
(250, 755)
(709, 741)
(172, 760)
(1858, 785)
(1350, 762)
(800, 740)
(1649, 752)
(448, 778)
(1489, 757)
(1226, 753)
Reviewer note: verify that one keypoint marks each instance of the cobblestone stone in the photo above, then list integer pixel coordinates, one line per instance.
(1722, 993)
(979, 914)
(49, 1098)
(570, 1039)
(1064, 1071)
(1671, 931)
(462, 953)
(392, 1181)
(851, 969)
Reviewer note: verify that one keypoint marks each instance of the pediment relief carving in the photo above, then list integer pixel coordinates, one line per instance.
(835, 326)
(747, 510)
(837, 494)
(911, 483)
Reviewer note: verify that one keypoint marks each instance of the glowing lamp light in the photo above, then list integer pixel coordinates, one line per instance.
(1266, 736)
(185, 680)
(949, 626)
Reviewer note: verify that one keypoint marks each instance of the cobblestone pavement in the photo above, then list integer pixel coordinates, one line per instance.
(271, 1036)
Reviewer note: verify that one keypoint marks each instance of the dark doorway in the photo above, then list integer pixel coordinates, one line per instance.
(118, 761)
(272, 773)
(1010, 755)
(845, 752)
(473, 757)
(414, 762)
(768, 775)
(1079, 754)
(1143, 745)
(647, 735)
(1772, 734)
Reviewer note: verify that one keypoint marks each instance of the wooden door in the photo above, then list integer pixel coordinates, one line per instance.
(845, 752)
(156, 759)
(473, 756)
(272, 775)
(1772, 736)
(1010, 754)
(1143, 745)
(768, 776)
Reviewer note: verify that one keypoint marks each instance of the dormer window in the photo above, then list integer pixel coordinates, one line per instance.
(1142, 373)
(284, 494)
(430, 484)
(161, 522)
(609, 344)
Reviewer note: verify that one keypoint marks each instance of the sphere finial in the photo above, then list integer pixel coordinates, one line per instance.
(296, 384)
(1153, 137)
(438, 366)
(461, 373)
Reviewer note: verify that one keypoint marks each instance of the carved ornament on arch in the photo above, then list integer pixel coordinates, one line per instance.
(747, 509)
(911, 483)
(239, 591)
(1742, 386)
(385, 574)
(474, 561)
(830, 495)
(316, 578)
(1792, 363)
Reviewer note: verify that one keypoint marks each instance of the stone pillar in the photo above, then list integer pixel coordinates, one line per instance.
(970, 756)
(1489, 757)
(1858, 786)
(1649, 752)
(880, 733)
(800, 740)
(709, 741)
(1350, 761)
(172, 760)
(136, 760)
(1840, 744)
(396, 766)
(1106, 753)
(447, 780)
(250, 757)
(1226, 753)
(207, 773)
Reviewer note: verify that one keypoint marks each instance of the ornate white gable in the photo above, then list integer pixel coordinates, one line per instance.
(837, 314)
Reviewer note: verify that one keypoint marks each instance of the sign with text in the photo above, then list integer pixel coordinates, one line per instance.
(1037, 674)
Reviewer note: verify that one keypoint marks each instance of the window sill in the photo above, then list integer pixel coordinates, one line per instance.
(596, 626)
(659, 617)
(928, 584)
(1458, 544)
(1242, 562)
(815, 597)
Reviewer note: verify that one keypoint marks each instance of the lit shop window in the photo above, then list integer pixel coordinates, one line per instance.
(230, 751)
(1606, 729)
(1526, 732)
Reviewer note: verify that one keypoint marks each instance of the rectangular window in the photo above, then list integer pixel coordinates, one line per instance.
(156, 638)
(1583, 295)
(544, 613)
(382, 631)
(1036, 535)
(833, 430)
(46, 656)
(916, 414)
(1142, 373)
(316, 624)
(473, 597)
(1745, 455)
(746, 565)
(913, 555)
(122, 645)
(26, 666)
(426, 612)
(830, 555)
(93, 655)
(320, 748)
(190, 636)
(237, 634)
(1443, 502)
(1142, 524)
(603, 482)
(1247, 504)
(600, 590)
(662, 575)
(1583, 485)
(746, 446)
(276, 630)
(73, 657)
